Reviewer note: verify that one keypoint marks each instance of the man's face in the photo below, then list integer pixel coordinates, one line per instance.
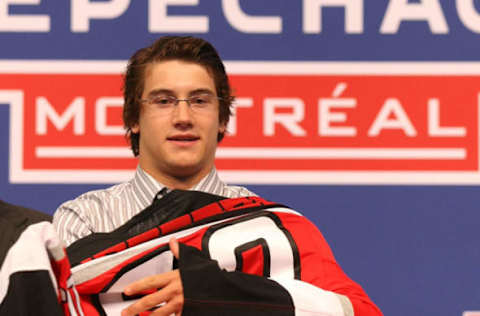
(179, 142)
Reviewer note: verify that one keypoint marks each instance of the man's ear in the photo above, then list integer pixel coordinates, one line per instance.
(222, 127)
(135, 129)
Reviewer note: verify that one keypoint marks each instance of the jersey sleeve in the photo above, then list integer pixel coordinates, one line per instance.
(319, 267)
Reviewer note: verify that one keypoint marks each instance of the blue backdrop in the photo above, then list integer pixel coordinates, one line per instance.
(413, 248)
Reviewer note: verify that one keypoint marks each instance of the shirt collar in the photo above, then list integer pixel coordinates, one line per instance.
(211, 183)
(145, 187)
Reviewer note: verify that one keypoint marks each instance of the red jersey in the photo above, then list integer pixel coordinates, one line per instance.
(242, 255)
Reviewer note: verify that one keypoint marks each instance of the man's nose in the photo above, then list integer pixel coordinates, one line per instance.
(182, 113)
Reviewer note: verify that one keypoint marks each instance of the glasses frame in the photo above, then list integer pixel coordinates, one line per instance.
(176, 101)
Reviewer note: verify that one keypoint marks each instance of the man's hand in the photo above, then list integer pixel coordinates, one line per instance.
(170, 292)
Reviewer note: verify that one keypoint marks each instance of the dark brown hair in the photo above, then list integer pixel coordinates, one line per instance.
(189, 49)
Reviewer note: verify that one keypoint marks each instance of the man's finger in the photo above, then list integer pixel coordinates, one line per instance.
(174, 247)
(173, 307)
(171, 296)
(146, 303)
(150, 283)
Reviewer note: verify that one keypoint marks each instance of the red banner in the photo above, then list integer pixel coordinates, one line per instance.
(284, 122)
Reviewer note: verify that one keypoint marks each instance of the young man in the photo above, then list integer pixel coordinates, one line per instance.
(177, 106)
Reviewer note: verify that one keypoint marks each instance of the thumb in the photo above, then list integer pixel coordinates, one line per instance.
(173, 243)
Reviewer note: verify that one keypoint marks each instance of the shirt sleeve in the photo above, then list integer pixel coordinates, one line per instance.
(70, 224)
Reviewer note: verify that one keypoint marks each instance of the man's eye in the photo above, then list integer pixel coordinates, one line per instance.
(161, 101)
(201, 100)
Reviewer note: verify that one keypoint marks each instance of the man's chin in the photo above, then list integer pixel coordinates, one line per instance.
(184, 170)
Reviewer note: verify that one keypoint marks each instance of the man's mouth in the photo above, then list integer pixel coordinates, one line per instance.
(183, 138)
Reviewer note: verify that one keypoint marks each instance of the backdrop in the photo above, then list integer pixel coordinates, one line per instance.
(363, 115)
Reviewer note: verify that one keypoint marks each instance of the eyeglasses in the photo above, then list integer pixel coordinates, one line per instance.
(198, 103)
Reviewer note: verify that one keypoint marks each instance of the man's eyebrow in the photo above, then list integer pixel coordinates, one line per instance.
(155, 92)
(201, 91)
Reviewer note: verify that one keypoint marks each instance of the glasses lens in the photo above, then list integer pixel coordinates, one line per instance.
(163, 101)
(201, 101)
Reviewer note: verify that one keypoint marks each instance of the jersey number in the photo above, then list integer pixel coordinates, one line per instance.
(256, 244)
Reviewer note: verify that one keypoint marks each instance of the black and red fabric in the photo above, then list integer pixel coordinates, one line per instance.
(35, 275)
(245, 254)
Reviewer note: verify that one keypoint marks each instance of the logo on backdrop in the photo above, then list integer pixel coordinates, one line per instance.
(159, 20)
(294, 122)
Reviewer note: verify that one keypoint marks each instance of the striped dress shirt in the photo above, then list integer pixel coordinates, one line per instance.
(107, 209)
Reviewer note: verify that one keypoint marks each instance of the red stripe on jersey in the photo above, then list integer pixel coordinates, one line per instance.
(146, 236)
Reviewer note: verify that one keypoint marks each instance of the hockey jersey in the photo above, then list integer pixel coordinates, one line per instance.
(241, 256)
